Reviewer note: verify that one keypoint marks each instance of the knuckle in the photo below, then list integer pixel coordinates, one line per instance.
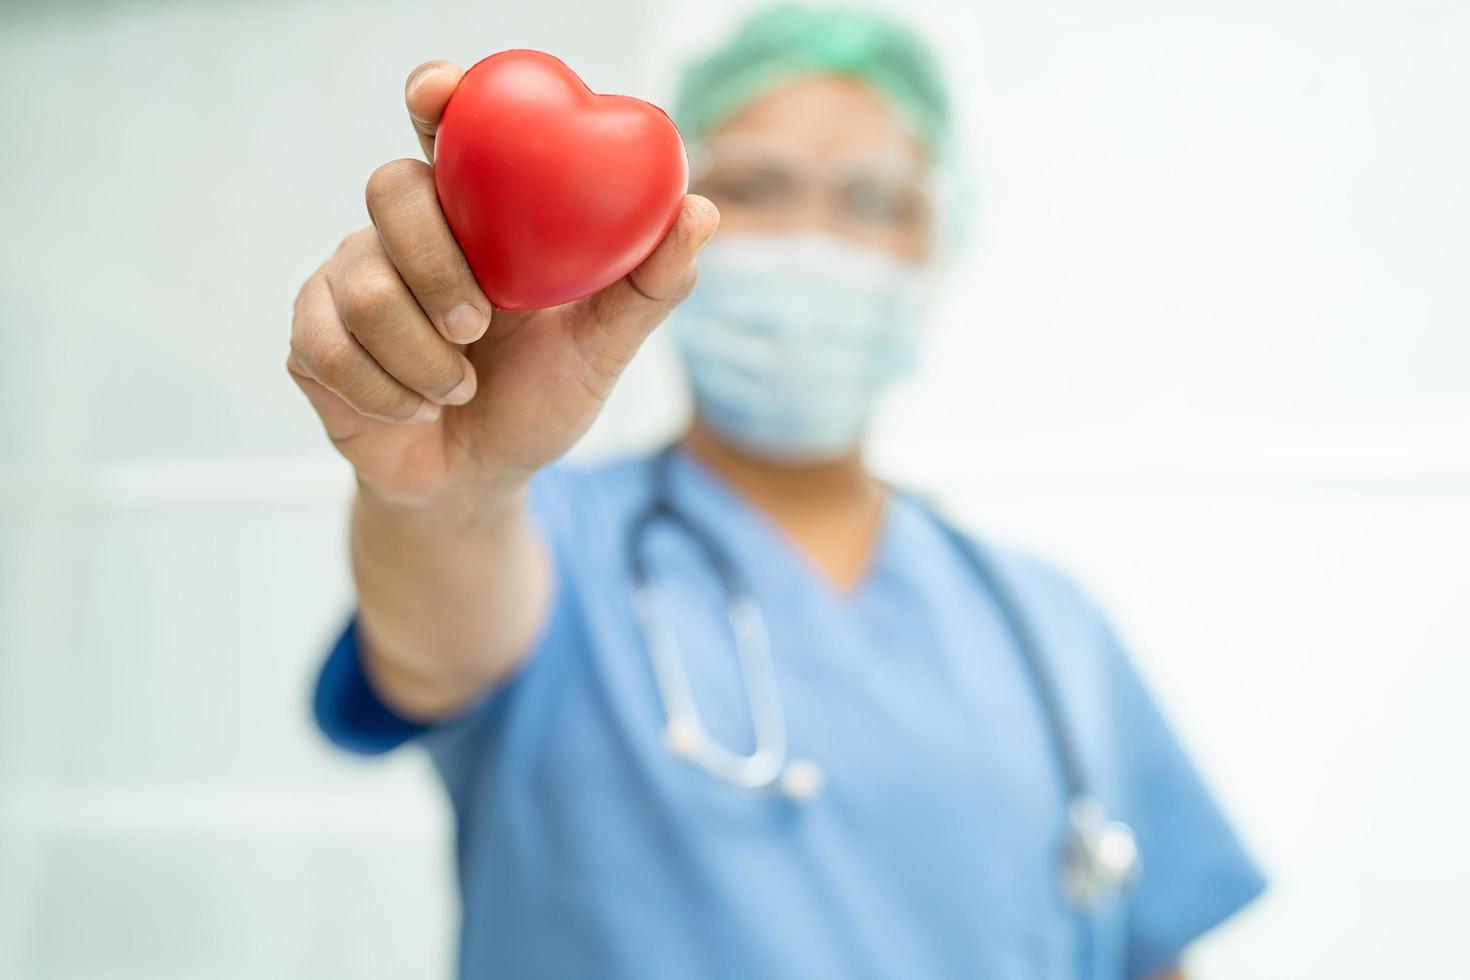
(603, 360)
(342, 369)
(336, 365)
(296, 359)
(596, 378)
(367, 297)
(301, 304)
(298, 305)
(353, 240)
(392, 180)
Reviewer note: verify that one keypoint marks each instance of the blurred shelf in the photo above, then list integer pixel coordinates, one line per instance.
(405, 818)
(1391, 462)
(162, 484)
(1210, 462)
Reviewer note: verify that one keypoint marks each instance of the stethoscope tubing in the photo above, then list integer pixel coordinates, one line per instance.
(1100, 856)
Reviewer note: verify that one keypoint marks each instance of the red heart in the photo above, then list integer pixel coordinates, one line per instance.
(552, 190)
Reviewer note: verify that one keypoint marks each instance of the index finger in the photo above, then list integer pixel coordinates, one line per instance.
(426, 93)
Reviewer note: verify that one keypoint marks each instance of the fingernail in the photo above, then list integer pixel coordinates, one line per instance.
(465, 323)
(462, 392)
(415, 80)
(427, 412)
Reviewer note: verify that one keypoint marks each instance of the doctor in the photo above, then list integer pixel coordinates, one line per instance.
(868, 783)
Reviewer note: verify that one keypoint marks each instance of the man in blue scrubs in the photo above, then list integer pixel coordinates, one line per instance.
(497, 627)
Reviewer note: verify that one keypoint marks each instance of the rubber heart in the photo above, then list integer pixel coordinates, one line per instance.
(552, 190)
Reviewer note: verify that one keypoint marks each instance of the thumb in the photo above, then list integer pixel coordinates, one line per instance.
(612, 324)
(667, 275)
(426, 93)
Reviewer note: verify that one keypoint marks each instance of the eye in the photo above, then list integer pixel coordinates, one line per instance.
(754, 187)
(872, 200)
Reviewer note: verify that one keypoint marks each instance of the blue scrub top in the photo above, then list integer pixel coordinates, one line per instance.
(586, 850)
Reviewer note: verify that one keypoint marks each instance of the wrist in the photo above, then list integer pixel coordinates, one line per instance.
(456, 507)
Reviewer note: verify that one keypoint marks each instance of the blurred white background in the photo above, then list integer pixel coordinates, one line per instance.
(1210, 348)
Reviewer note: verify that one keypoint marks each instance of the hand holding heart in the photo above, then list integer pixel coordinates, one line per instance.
(429, 390)
(553, 191)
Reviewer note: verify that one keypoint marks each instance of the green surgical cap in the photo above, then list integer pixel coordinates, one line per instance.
(788, 41)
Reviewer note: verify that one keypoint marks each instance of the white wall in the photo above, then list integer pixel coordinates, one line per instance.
(1211, 350)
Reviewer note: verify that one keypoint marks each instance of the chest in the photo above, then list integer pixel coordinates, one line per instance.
(942, 808)
(941, 813)
(909, 694)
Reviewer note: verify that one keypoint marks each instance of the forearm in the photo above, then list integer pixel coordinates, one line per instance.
(449, 596)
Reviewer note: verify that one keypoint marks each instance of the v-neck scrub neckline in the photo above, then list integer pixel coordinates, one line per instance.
(735, 503)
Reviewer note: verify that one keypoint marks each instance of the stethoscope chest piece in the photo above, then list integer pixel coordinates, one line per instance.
(1100, 857)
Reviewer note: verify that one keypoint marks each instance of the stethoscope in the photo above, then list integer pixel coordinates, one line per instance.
(1099, 857)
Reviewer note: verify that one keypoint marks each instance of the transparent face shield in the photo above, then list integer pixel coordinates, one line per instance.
(881, 197)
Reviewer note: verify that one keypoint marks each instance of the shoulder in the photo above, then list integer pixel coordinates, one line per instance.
(1041, 578)
(1046, 588)
(1043, 589)
(1064, 609)
(1019, 584)
(1060, 611)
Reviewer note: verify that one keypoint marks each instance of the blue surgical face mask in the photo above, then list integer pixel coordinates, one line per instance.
(790, 340)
